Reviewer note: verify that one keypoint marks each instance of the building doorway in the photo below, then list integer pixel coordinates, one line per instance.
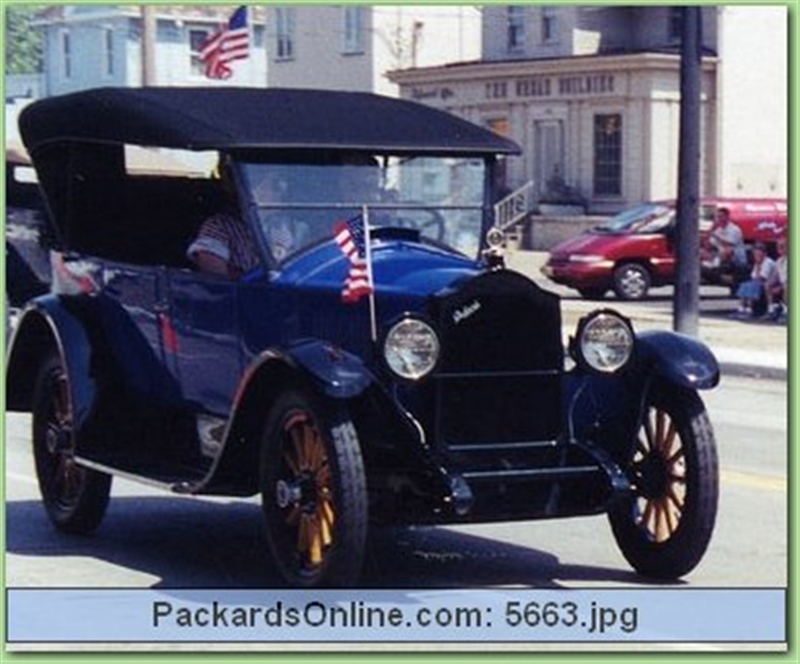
(549, 153)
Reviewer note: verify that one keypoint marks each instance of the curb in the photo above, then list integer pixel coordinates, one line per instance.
(745, 370)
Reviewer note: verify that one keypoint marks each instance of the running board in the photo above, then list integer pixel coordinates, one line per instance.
(180, 485)
(530, 474)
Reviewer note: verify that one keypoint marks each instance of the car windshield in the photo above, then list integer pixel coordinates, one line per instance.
(649, 218)
(299, 205)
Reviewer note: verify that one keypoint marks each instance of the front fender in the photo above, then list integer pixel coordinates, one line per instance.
(335, 372)
(678, 358)
(328, 370)
(44, 326)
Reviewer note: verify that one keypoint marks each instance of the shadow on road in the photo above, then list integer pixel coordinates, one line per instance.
(190, 543)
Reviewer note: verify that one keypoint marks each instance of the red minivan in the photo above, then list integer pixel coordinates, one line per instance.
(633, 251)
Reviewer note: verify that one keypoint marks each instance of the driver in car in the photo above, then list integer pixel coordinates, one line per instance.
(224, 245)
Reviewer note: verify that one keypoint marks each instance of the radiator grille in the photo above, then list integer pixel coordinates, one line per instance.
(500, 373)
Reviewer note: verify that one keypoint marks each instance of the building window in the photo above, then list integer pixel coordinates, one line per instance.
(66, 54)
(549, 24)
(108, 51)
(516, 28)
(675, 23)
(353, 30)
(284, 26)
(608, 155)
(197, 37)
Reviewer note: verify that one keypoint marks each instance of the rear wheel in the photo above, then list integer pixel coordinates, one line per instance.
(664, 528)
(631, 281)
(75, 497)
(314, 494)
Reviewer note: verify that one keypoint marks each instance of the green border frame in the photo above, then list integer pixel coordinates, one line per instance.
(427, 653)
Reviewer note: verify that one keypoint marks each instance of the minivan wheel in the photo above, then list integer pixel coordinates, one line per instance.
(631, 281)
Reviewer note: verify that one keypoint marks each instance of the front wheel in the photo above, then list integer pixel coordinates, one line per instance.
(314, 495)
(664, 528)
(74, 496)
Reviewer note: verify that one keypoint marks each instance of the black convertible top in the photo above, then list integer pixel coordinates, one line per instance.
(243, 118)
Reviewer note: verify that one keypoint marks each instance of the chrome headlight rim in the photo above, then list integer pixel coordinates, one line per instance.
(411, 348)
(617, 329)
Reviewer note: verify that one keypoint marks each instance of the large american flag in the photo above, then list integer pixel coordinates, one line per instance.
(230, 43)
(350, 235)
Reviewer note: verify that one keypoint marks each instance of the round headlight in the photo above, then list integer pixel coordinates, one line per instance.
(604, 341)
(411, 348)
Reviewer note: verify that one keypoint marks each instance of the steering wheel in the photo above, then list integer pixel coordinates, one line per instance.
(429, 223)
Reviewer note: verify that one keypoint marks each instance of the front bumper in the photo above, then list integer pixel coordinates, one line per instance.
(579, 275)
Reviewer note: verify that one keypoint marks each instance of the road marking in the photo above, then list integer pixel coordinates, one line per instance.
(752, 481)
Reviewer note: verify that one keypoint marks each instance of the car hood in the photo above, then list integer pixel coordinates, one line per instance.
(587, 243)
(398, 266)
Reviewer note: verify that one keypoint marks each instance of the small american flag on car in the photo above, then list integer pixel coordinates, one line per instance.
(351, 236)
(232, 42)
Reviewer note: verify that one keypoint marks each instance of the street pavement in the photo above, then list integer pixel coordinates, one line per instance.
(742, 347)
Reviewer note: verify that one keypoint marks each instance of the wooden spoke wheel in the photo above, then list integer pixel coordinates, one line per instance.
(74, 496)
(665, 526)
(313, 494)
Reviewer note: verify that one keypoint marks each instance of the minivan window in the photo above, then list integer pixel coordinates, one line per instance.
(648, 218)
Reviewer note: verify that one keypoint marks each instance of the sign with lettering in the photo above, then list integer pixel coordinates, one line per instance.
(570, 85)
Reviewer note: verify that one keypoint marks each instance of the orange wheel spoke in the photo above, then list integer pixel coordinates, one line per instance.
(671, 518)
(664, 529)
(328, 512)
(315, 540)
(676, 500)
(650, 436)
(677, 456)
(326, 522)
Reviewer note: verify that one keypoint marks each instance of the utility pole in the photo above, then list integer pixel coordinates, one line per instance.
(686, 303)
(149, 45)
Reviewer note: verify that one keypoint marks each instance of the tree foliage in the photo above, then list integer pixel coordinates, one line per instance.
(24, 43)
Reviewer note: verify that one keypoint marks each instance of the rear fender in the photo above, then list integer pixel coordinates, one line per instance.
(44, 326)
(677, 358)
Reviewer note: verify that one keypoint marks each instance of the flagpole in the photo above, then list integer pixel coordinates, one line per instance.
(373, 319)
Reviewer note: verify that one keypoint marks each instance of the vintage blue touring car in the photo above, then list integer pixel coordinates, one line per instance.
(379, 365)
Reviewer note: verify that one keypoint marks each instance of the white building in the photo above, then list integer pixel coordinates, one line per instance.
(352, 47)
(592, 95)
(101, 45)
(349, 47)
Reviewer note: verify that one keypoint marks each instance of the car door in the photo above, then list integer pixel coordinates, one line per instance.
(201, 339)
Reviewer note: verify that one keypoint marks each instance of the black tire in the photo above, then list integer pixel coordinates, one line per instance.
(664, 529)
(592, 293)
(631, 281)
(314, 494)
(75, 497)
